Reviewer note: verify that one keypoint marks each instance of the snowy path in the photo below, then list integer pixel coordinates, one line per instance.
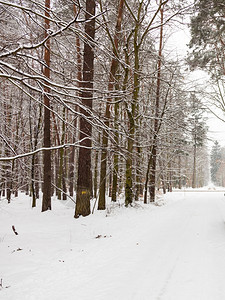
(190, 252)
(172, 252)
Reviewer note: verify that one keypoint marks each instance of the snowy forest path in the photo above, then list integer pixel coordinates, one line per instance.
(189, 259)
(172, 252)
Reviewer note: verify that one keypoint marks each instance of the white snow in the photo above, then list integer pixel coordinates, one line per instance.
(175, 251)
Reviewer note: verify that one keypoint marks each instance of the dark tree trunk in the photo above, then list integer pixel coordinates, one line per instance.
(32, 182)
(193, 185)
(116, 157)
(179, 166)
(96, 172)
(156, 121)
(46, 202)
(84, 180)
(8, 165)
(71, 171)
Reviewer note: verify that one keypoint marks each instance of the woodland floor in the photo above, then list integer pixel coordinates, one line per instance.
(171, 251)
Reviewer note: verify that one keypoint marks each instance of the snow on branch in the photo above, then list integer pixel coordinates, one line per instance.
(77, 144)
(41, 43)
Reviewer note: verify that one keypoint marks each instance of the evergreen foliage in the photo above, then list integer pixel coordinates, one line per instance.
(207, 36)
(215, 162)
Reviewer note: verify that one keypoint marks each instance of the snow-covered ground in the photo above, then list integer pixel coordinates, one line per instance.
(172, 251)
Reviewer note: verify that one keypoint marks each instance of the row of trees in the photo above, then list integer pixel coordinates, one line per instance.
(91, 104)
(207, 44)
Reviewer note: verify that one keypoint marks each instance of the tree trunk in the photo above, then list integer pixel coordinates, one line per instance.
(112, 75)
(61, 159)
(84, 180)
(179, 166)
(71, 170)
(147, 177)
(116, 157)
(102, 187)
(132, 117)
(46, 202)
(79, 79)
(156, 120)
(96, 170)
(139, 188)
(129, 165)
(194, 166)
(32, 182)
(8, 165)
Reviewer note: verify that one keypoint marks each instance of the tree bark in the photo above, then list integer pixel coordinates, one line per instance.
(46, 202)
(193, 185)
(79, 79)
(132, 113)
(116, 157)
(156, 120)
(61, 160)
(84, 180)
(112, 75)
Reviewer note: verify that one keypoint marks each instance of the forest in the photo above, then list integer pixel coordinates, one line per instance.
(94, 107)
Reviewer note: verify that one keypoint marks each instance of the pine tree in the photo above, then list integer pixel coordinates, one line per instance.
(198, 132)
(215, 162)
(207, 36)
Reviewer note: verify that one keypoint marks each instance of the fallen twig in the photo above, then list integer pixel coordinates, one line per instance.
(14, 230)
